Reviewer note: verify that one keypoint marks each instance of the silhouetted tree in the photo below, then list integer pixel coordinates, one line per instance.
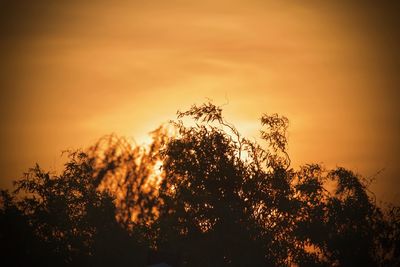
(218, 207)
(66, 220)
(18, 246)
(200, 195)
(229, 201)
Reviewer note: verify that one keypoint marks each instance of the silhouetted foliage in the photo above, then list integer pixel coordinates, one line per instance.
(65, 220)
(199, 195)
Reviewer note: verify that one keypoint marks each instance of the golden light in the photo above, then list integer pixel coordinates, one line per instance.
(72, 72)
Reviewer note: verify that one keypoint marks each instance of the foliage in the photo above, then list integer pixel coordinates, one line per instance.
(202, 196)
(66, 221)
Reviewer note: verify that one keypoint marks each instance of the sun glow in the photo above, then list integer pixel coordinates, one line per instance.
(127, 68)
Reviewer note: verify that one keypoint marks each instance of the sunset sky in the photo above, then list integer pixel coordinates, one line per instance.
(72, 71)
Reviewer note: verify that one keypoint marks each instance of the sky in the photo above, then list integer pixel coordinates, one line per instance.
(73, 71)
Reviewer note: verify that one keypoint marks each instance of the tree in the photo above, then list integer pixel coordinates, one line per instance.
(229, 201)
(203, 195)
(219, 209)
(65, 218)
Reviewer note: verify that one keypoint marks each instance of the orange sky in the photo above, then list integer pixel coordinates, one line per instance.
(73, 71)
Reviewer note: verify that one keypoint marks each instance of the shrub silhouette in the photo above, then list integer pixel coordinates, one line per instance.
(201, 196)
